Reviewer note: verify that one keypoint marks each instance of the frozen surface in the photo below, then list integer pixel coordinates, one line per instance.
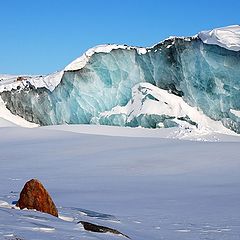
(150, 184)
(170, 133)
(154, 107)
(80, 62)
(226, 37)
(146, 187)
(8, 119)
(99, 87)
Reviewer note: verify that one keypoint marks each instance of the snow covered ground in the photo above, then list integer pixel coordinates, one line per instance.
(141, 182)
(150, 184)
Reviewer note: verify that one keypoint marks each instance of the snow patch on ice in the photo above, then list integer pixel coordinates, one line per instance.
(9, 82)
(49, 81)
(226, 37)
(80, 62)
(235, 112)
(165, 104)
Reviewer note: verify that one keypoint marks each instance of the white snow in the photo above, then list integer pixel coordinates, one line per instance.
(9, 82)
(49, 81)
(193, 134)
(141, 50)
(235, 112)
(142, 182)
(147, 188)
(226, 37)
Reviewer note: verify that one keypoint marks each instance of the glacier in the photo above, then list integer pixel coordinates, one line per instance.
(181, 81)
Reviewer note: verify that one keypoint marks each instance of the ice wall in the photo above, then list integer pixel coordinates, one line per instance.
(204, 76)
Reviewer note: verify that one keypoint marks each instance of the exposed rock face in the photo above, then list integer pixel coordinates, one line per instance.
(101, 229)
(35, 196)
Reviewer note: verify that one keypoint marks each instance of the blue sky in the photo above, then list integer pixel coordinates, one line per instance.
(39, 37)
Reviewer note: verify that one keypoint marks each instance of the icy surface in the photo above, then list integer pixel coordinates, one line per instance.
(8, 119)
(226, 37)
(80, 62)
(147, 188)
(154, 107)
(100, 83)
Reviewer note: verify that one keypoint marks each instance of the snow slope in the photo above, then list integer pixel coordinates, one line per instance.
(148, 188)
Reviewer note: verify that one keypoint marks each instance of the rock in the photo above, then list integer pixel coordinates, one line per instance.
(35, 196)
(101, 229)
(21, 78)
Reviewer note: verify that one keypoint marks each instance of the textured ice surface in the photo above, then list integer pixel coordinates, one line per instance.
(152, 107)
(205, 76)
(107, 48)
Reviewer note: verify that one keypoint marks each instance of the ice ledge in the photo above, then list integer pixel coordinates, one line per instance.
(80, 62)
(226, 37)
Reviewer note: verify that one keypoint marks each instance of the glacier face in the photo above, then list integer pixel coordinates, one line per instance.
(152, 107)
(206, 77)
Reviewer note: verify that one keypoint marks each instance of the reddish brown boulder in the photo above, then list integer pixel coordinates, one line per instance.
(35, 196)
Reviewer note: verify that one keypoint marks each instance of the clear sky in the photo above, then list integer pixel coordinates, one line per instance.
(38, 37)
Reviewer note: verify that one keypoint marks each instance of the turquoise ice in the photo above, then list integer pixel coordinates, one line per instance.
(205, 76)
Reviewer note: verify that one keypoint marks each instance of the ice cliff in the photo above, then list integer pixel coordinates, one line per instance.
(187, 81)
